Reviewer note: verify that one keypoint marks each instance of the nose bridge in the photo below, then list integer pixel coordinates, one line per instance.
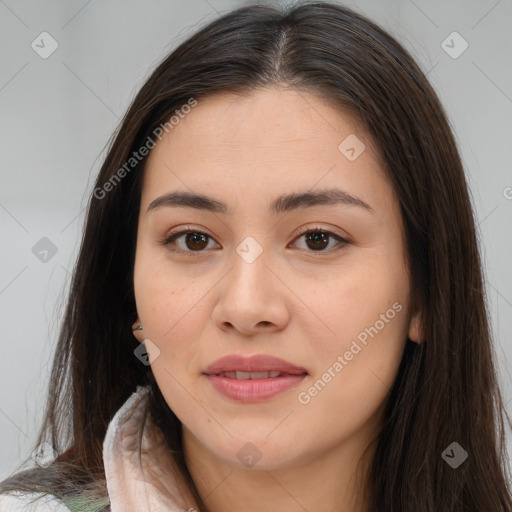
(250, 266)
(249, 298)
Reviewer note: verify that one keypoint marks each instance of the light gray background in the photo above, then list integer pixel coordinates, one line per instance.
(57, 114)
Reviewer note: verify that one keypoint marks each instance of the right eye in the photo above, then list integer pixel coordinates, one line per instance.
(192, 241)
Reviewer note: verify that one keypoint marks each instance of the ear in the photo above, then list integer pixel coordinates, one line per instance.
(415, 329)
(139, 334)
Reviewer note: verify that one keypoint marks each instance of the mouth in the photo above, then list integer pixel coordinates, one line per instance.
(253, 379)
(252, 375)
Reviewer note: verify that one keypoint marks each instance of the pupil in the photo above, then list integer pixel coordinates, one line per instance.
(194, 241)
(317, 237)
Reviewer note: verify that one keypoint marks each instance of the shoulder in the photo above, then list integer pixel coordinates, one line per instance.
(31, 502)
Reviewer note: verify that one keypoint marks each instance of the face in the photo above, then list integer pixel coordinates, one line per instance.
(291, 261)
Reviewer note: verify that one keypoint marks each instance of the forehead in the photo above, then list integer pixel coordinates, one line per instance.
(268, 116)
(264, 142)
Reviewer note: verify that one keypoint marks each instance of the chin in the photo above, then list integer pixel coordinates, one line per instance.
(256, 451)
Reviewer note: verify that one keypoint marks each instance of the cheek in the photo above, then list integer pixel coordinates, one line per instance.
(352, 299)
(166, 295)
(354, 367)
(171, 308)
(364, 307)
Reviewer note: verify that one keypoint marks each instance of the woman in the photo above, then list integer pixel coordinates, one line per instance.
(278, 301)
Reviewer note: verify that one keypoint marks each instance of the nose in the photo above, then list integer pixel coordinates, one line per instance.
(252, 298)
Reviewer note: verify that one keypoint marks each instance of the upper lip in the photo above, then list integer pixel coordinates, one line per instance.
(256, 363)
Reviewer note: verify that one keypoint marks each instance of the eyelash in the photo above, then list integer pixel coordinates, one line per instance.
(173, 236)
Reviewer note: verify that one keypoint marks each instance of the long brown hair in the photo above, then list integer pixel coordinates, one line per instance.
(446, 388)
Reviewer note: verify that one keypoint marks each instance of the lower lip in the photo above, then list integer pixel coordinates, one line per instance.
(254, 390)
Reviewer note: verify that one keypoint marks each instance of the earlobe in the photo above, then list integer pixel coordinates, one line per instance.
(137, 331)
(415, 330)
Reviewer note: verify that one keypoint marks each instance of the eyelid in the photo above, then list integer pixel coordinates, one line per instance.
(182, 230)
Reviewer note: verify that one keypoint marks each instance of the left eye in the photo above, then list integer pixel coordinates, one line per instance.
(317, 240)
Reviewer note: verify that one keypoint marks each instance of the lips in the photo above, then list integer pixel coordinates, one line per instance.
(255, 378)
(253, 364)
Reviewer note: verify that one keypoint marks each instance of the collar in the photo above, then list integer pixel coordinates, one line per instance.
(140, 473)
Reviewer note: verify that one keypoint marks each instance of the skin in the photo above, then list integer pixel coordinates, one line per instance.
(293, 302)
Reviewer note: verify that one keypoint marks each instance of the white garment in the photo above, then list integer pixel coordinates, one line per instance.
(139, 473)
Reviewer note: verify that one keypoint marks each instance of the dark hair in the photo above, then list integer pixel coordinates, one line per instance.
(446, 388)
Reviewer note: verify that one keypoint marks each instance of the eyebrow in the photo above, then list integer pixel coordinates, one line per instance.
(284, 203)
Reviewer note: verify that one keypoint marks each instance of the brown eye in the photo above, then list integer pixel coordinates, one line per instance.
(188, 241)
(317, 240)
(196, 241)
(191, 241)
